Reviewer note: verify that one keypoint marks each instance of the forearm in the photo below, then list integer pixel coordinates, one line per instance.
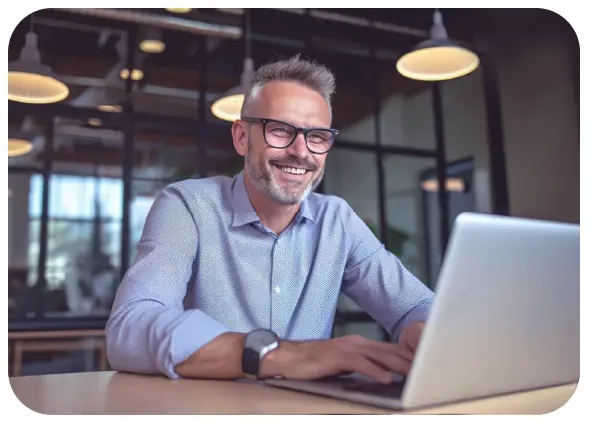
(147, 337)
(221, 359)
(218, 359)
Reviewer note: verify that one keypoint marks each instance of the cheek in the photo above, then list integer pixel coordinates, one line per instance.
(320, 160)
(267, 154)
(257, 147)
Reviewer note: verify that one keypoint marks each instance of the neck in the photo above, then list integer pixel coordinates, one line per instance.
(273, 215)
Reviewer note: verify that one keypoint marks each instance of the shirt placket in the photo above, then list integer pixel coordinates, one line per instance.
(276, 288)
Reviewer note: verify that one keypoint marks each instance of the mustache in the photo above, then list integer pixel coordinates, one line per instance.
(295, 162)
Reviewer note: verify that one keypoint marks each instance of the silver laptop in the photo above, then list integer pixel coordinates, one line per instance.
(505, 319)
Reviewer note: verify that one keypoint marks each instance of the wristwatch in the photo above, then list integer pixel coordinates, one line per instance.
(258, 343)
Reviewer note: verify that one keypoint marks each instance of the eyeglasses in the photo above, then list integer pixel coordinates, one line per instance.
(279, 134)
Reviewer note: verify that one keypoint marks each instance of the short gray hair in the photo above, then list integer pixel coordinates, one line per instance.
(310, 74)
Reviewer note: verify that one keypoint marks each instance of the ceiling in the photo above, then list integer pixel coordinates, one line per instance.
(88, 49)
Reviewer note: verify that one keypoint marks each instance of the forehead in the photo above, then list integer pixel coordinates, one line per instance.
(291, 102)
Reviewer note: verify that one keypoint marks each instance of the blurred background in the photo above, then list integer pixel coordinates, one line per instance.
(122, 102)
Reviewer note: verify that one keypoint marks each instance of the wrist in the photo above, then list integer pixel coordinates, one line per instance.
(410, 326)
(273, 365)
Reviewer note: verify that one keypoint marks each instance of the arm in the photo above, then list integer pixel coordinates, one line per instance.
(148, 330)
(379, 283)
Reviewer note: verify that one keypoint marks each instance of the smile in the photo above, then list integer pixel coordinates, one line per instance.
(292, 170)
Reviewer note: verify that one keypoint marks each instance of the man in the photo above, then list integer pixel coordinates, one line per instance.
(221, 257)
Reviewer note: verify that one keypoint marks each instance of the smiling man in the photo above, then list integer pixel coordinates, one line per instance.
(241, 276)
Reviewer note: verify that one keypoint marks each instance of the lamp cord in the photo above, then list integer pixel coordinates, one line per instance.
(31, 21)
(247, 35)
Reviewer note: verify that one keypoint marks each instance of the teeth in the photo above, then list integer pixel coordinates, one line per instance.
(293, 170)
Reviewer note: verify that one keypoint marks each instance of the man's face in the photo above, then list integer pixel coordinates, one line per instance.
(286, 175)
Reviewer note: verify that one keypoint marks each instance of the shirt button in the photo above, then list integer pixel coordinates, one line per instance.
(277, 290)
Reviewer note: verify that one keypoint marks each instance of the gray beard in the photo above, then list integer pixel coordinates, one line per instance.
(262, 179)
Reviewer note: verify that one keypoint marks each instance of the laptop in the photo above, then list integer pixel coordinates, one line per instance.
(505, 319)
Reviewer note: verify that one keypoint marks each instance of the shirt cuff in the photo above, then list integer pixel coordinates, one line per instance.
(195, 331)
(419, 313)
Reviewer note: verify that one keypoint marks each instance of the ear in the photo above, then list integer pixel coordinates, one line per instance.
(240, 138)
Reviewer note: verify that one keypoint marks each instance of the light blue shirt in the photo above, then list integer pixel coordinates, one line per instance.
(206, 265)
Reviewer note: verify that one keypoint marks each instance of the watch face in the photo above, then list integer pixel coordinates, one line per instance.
(261, 338)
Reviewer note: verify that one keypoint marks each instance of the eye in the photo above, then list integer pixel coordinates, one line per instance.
(279, 130)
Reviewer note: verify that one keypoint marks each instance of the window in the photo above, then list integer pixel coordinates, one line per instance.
(84, 239)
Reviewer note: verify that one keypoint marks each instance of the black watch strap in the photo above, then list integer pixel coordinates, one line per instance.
(250, 363)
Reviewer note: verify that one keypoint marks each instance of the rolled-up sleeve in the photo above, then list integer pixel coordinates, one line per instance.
(379, 283)
(149, 331)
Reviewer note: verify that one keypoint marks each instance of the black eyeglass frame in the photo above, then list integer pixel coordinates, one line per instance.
(298, 130)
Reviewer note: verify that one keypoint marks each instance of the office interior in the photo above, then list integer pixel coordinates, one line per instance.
(145, 97)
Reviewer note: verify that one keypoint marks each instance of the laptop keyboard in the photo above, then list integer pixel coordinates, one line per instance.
(392, 390)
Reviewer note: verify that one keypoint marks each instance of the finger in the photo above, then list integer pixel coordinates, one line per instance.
(391, 357)
(389, 361)
(371, 369)
(356, 341)
(389, 348)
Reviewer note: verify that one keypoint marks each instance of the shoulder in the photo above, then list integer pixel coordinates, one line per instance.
(212, 187)
(196, 195)
(328, 201)
(331, 209)
(337, 217)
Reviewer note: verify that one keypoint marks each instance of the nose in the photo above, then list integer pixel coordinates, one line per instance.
(298, 148)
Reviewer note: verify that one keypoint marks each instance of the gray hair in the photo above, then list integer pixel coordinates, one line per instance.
(310, 74)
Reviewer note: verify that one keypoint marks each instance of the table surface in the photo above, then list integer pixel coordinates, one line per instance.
(120, 393)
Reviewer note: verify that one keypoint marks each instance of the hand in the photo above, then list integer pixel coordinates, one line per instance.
(411, 335)
(352, 353)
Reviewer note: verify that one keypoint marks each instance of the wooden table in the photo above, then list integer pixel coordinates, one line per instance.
(120, 393)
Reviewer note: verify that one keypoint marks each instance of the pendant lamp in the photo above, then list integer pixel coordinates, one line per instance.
(437, 58)
(228, 107)
(18, 147)
(178, 9)
(151, 41)
(29, 81)
(452, 184)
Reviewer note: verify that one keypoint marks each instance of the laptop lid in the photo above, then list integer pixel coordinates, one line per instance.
(506, 314)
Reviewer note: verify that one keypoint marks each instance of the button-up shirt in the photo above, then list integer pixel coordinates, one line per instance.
(206, 265)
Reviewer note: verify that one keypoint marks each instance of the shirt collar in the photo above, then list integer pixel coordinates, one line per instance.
(244, 213)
